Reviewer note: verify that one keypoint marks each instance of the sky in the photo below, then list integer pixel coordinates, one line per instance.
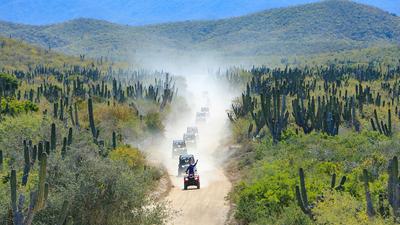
(142, 12)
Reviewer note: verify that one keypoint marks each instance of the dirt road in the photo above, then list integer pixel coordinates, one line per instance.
(204, 206)
(207, 205)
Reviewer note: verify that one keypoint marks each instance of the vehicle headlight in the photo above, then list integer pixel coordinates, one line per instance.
(183, 166)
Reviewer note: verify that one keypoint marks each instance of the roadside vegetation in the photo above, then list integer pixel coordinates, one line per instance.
(319, 144)
(66, 125)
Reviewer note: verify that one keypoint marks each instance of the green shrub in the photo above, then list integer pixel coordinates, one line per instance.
(8, 84)
(154, 123)
(14, 107)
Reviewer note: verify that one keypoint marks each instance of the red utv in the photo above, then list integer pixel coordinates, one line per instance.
(191, 180)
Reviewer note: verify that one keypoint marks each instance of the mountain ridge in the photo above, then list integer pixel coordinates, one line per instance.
(332, 25)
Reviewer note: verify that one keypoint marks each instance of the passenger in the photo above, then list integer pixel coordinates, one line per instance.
(192, 168)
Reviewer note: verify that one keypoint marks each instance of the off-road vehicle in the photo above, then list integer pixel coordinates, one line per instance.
(178, 148)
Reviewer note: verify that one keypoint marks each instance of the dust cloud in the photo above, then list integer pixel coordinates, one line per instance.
(202, 91)
(207, 204)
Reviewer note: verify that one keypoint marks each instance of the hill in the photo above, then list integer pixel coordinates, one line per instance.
(328, 26)
(21, 56)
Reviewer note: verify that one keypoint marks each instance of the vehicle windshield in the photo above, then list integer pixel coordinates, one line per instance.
(186, 159)
(200, 114)
(205, 109)
(192, 130)
(189, 136)
(179, 144)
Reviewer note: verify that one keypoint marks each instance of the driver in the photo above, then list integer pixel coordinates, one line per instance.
(192, 167)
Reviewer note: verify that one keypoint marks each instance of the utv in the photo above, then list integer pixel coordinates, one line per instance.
(193, 130)
(206, 111)
(190, 139)
(178, 148)
(184, 162)
(191, 180)
(201, 117)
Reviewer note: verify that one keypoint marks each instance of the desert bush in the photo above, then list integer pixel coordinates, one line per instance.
(154, 123)
(342, 208)
(132, 157)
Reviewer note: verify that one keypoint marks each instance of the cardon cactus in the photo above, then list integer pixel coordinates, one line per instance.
(381, 127)
(47, 147)
(53, 137)
(64, 148)
(42, 189)
(1, 160)
(55, 109)
(19, 215)
(393, 188)
(370, 206)
(34, 154)
(27, 164)
(69, 136)
(275, 115)
(76, 115)
(64, 212)
(71, 115)
(40, 150)
(301, 195)
(114, 140)
(340, 187)
(91, 119)
(61, 109)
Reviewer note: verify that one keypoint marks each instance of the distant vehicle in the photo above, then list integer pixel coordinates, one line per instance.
(178, 148)
(205, 110)
(193, 130)
(201, 117)
(184, 162)
(190, 139)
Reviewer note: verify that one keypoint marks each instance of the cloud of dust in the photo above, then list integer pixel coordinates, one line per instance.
(210, 150)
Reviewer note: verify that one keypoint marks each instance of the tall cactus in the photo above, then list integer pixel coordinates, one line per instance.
(64, 148)
(64, 212)
(304, 117)
(76, 115)
(42, 190)
(55, 109)
(114, 140)
(47, 147)
(301, 195)
(61, 109)
(393, 188)
(69, 136)
(340, 187)
(19, 215)
(370, 207)
(275, 115)
(71, 115)
(1, 160)
(381, 127)
(40, 150)
(27, 164)
(53, 137)
(91, 119)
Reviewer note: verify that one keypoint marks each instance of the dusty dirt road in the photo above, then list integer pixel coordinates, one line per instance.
(206, 205)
